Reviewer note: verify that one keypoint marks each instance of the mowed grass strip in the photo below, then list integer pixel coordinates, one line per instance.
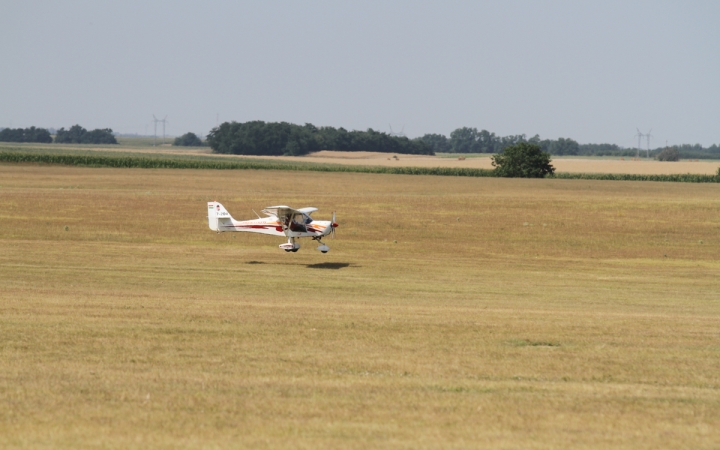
(450, 312)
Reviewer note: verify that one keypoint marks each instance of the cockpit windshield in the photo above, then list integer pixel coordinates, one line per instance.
(299, 222)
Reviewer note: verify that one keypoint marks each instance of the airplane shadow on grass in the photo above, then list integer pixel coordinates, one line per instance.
(328, 265)
(324, 265)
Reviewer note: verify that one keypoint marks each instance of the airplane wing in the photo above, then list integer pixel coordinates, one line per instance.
(308, 211)
(281, 212)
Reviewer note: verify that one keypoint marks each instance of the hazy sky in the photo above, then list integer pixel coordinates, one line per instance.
(589, 70)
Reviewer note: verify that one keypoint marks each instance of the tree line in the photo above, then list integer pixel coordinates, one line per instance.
(75, 135)
(282, 138)
(470, 140)
(31, 134)
(79, 135)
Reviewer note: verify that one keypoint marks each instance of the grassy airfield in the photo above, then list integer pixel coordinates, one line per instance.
(451, 312)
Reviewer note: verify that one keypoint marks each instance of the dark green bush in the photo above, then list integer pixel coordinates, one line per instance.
(522, 160)
(188, 140)
(668, 154)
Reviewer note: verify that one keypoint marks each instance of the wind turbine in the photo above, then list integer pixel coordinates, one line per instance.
(639, 135)
(648, 136)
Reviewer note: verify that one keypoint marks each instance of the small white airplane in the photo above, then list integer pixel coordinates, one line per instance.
(280, 221)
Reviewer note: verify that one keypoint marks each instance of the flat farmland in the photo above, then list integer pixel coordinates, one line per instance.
(450, 313)
(563, 164)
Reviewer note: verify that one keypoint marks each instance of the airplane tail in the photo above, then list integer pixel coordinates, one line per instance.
(217, 216)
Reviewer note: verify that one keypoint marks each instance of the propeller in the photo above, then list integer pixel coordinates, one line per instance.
(333, 225)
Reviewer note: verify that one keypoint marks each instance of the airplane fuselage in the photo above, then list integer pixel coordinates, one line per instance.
(274, 227)
(280, 221)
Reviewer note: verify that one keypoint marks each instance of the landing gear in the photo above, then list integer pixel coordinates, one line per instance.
(323, 248)
(290, 245)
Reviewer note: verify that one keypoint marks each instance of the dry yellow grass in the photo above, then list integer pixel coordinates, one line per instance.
(509, 314)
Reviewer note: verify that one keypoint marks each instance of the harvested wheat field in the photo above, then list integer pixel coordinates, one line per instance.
(565, 164)
(450, 313)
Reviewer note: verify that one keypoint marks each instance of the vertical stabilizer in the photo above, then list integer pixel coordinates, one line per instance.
(217, 214)
(212, 216)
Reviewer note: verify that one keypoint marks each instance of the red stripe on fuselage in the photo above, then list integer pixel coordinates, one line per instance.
(257, 227)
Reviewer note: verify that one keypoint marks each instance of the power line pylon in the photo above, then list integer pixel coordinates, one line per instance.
(156, 120)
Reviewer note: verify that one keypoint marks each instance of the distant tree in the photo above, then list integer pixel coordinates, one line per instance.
(437, 142)
(668, 154)
(604, 150)
(563, 147)
(470, 140)
(508, 141)
(260, 138)
(31, 134)
(12, 135)
(523, 160)
(464, 140)
(79, 135)
(72, 136)
(99, 136)
(188, 140)
(487, 142)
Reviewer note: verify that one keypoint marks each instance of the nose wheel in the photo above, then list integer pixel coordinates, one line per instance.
(323, 248)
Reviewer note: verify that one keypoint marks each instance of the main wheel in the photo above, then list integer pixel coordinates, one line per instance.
(294, 250)
(288, 250)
